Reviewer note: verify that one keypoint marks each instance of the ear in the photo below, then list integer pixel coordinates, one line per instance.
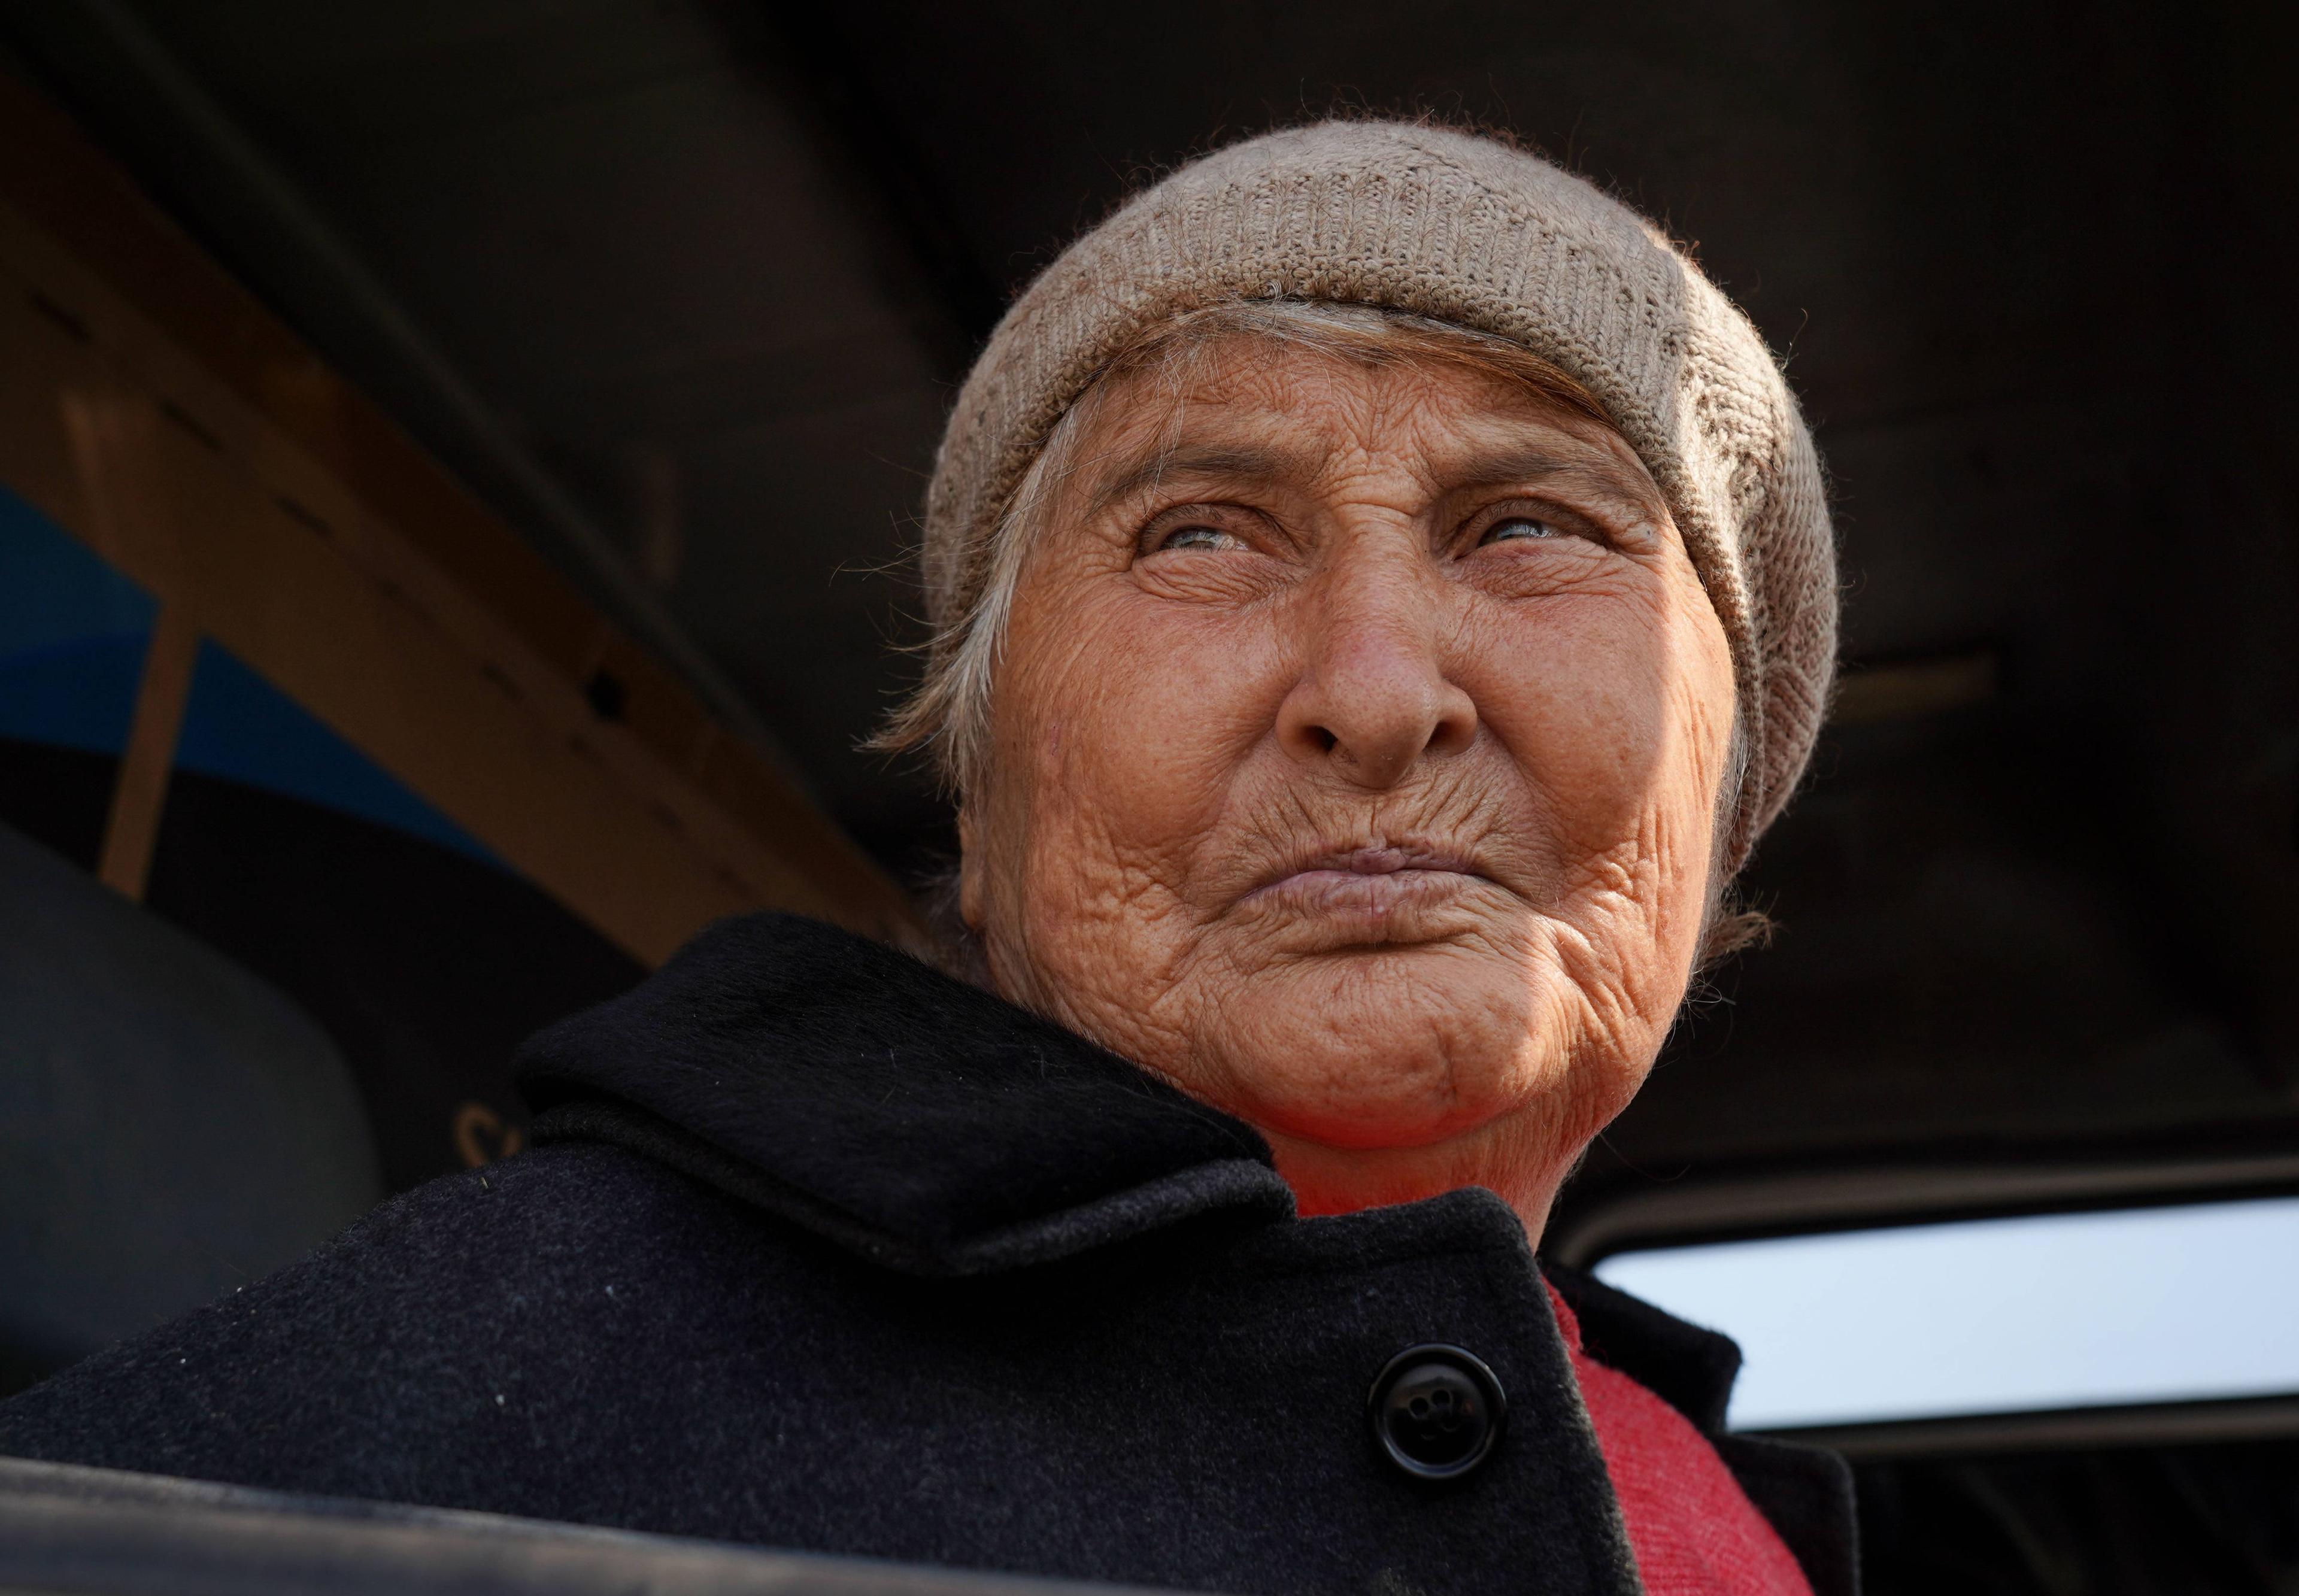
(969, 871)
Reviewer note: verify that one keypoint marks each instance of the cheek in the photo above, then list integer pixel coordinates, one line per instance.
(1617, 710)
(1127, 721)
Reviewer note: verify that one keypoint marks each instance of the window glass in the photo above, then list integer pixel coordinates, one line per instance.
(1996, 1316)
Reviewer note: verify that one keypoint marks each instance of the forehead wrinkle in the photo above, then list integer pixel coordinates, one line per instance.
(1387, 415)
(1530, 466)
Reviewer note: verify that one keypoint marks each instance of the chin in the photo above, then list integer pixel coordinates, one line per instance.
(1385, 1052)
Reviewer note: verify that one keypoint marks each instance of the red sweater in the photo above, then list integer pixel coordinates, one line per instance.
(1693, 1531)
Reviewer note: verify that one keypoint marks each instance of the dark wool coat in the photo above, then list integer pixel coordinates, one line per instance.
(818, 1249)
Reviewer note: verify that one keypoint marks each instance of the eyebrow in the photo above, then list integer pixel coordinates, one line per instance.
(1526, 463)
(1198, 463)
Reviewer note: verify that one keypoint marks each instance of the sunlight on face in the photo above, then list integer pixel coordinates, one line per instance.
(1354, 759)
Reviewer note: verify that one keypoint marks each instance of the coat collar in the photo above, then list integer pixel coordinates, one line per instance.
(1691, 1368)
(922, 1122)
(938, 1130)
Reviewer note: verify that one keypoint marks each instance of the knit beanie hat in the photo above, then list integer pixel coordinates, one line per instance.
(1466, 230)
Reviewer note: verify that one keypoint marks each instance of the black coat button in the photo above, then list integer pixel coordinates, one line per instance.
(1436, 1412)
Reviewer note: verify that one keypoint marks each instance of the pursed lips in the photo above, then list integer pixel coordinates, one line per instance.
(1370, 880)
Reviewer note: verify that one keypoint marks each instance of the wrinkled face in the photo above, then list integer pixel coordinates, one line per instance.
(1353, 762)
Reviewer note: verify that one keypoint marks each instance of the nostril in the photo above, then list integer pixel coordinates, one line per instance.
(1372, 723)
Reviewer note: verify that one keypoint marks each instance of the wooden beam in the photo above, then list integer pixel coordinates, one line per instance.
(325, 604)
(154, 409)
(139, 794)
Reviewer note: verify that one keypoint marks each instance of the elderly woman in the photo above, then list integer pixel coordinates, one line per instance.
(1382, 592)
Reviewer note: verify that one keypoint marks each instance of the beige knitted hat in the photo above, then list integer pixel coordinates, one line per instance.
(1464, 230)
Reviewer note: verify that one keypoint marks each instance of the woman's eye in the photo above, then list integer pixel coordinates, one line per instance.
(1518, 529)
(1199, 537)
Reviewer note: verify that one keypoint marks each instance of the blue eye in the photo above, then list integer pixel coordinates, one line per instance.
(1201, 537)
(1518, 529)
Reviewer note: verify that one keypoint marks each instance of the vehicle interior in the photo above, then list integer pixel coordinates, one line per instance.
(457, 463)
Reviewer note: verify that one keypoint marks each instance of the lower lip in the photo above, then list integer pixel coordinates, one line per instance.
(1350, 894)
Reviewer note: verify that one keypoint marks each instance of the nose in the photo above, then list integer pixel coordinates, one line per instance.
(1374, 697)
